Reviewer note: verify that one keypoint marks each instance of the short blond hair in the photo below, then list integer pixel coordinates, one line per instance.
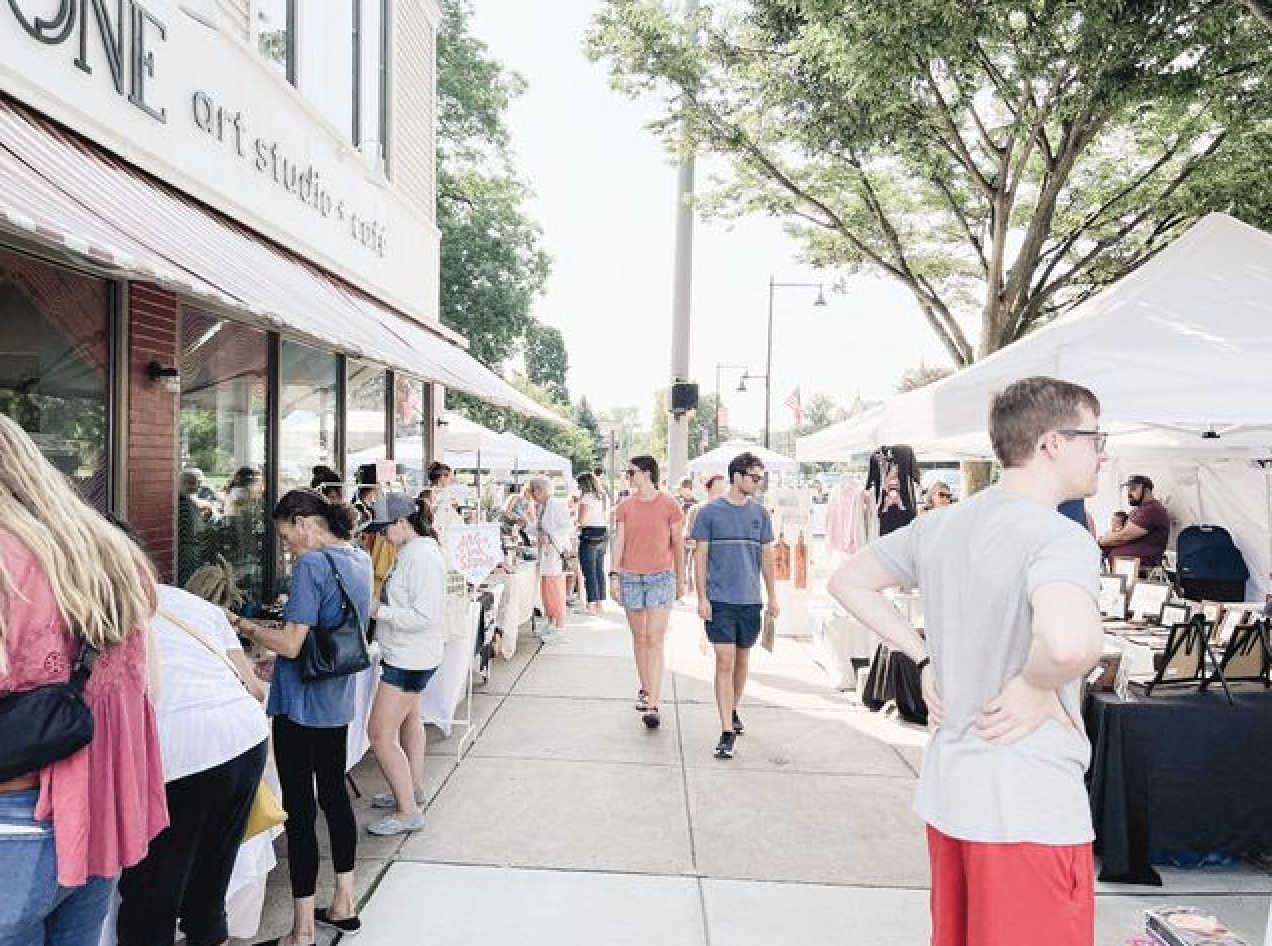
(1025, 410)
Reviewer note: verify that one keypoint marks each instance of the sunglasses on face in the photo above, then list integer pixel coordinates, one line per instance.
(944, 496)
(755, 477)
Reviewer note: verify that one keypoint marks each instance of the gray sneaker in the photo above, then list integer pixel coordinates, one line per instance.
(388, 801)
(387, 827)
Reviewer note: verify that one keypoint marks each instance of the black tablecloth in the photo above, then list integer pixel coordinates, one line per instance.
(1180, 771)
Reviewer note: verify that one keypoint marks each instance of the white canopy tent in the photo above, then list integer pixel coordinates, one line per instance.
(717, 460)
(1177, 353)
(468, 445)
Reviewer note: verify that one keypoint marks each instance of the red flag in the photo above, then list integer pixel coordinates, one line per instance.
(793, 402)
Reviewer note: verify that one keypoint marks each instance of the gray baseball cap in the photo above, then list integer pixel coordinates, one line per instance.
(389, 509)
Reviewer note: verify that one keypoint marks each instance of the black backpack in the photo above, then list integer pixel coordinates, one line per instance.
(1210, 564)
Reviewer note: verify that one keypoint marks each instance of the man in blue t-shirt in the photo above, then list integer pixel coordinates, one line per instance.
(734, 550)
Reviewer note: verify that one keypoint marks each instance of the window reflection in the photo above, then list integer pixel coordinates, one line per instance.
(371, 72)
(410, 447)
(221, 515)
(366, 436)
(54, 367)
(272, 36)
(307, 414)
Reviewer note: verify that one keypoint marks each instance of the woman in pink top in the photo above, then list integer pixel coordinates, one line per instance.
(650, 575)
(67, 576)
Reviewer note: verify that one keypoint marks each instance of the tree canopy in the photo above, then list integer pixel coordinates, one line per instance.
(1002, 159)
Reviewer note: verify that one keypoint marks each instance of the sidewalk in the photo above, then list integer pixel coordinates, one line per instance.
(568, 823)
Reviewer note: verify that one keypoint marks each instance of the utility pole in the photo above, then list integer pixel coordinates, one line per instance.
(682, 282)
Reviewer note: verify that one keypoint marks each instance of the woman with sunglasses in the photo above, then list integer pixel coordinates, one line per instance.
(938, 495)
(649, 576)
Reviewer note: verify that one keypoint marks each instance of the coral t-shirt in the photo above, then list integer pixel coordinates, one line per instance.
(647, 542)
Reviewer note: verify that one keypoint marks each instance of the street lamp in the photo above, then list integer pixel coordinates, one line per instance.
(717, 394)
(768, 357)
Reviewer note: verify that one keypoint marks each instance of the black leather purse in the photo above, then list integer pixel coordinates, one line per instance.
(40, 726)
(335, 651)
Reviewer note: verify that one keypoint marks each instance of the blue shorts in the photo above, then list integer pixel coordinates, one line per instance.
(647, 591)
(737, 624)
(409, 681)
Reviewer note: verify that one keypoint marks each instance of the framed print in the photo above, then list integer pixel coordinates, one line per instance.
(1113, 604)
(1233, 616)
(1148, 598)
(1247, 655)
(1173, 613)
(1129, 567)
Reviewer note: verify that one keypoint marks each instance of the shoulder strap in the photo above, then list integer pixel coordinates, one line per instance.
(347, 599)
(82, 669)
(198, 636)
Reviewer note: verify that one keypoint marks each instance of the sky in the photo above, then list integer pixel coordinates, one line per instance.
(605, 196)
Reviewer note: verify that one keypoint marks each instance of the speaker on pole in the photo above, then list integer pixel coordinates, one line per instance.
(684, 397)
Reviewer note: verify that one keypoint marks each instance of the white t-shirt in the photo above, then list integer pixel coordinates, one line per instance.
(977, 565)
(204, 714)
(556, 536)
(591, 511)
(410, 625)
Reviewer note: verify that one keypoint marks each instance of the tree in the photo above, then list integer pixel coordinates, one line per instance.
(921, 377)
(1002, 159)
(547, 362)
(819, 413)
(492, 262)
(587, 417)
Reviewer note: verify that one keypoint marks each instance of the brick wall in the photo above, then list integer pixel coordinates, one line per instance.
(152, 423)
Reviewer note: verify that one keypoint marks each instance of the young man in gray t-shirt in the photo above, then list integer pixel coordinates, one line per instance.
(1009, 596)
(733, 557)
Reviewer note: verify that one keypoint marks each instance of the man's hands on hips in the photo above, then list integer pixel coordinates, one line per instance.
(1017, 711)
(935, 708)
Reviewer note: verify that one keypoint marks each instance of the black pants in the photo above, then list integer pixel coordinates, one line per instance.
(593, 541)
(307, 756)
(187, 869)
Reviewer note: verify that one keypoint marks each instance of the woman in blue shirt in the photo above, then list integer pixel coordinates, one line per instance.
(311, 719)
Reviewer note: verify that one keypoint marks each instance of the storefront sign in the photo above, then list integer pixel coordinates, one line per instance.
(127, 40)
(294, 175)
(473, 551)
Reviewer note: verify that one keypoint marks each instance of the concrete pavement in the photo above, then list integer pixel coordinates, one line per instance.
(567, 822)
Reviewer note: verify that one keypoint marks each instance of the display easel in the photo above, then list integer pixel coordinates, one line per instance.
(1248, 654)
(1187, 650)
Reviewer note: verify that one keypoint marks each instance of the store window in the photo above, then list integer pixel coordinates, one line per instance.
(276, 36)
(220, 490)
(411, 436)
(366, 420)
(55, 367)
(325, 61)
(307, 414)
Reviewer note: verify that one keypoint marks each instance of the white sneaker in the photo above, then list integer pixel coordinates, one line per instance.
(387, 827)
(552, 635)
(385, 800)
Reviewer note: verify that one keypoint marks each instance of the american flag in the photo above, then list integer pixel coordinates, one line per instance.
(793, 402)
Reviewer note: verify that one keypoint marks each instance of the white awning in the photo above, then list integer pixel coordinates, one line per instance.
(59, 189)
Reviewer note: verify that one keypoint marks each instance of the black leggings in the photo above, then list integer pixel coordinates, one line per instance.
(307, 756)
(187, 868)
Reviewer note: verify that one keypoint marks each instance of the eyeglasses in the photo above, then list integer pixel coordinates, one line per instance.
(944, 495)
(755, 477)
(1100, 437)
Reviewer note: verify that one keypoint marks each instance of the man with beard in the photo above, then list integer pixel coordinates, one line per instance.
(1146, 534)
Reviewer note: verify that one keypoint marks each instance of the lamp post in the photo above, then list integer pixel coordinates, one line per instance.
(717, 395)
(768, 356)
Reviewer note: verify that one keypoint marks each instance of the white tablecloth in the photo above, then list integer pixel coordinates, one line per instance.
(448, 685)
(837, 639)
(521, 596)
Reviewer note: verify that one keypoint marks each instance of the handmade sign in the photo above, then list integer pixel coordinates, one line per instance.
(473, 551)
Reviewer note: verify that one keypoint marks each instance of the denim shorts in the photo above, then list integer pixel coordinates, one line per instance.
(647, 591)
(33, 908)
(409, 681)
(737, 624)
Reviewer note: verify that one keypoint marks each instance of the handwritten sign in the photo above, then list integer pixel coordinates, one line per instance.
(473, 551)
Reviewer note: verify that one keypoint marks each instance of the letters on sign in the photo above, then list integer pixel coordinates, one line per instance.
(474, 551)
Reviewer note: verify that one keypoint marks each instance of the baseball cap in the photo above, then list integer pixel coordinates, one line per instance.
(1139, 479)
(389, 509)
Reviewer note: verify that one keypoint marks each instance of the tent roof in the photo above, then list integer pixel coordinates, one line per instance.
(717, 460)
(1179, 343)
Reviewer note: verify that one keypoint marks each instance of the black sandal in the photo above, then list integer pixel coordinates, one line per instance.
(651, 718)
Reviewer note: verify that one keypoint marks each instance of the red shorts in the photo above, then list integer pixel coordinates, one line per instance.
(1007, 894)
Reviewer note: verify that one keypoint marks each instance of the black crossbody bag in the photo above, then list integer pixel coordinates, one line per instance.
(41, 726)
(335, 651)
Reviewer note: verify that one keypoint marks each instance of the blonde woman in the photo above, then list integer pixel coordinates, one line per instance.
(69, 578)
